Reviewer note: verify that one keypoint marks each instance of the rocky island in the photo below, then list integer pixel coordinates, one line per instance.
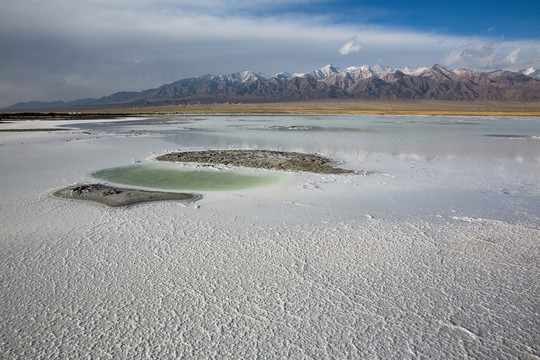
(262, 159)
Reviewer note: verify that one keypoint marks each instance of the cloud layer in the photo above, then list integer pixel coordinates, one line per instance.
(62, 49)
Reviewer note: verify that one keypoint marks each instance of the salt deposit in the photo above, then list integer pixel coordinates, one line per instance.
(434, 255)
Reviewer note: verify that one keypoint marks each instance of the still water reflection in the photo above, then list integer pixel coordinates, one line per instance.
(167, 178)
(344, 136)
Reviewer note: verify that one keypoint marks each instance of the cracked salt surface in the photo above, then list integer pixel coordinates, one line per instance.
(437, 262)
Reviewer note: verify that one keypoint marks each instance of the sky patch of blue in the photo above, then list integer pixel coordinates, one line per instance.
(510, 20)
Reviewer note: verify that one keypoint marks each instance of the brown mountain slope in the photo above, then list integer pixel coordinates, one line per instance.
(376, 83)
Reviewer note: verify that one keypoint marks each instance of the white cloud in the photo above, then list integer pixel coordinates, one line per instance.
(483, 55)
(351, 46)
(512, 57)
(478, 55)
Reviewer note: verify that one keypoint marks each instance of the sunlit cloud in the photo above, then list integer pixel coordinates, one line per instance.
(512, 57)
(483, 56)
(494, 55)
(351, 46)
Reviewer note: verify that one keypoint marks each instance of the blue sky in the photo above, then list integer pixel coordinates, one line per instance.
(513, 20)
(65, 49)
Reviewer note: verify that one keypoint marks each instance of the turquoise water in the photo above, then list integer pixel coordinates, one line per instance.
(166, 178)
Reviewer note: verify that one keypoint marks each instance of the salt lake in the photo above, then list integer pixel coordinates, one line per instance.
(430, 250)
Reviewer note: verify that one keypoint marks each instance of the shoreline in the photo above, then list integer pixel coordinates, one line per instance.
(312, 107)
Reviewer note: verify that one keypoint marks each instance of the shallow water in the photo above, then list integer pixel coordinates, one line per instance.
(345, 135)
(169, 178)
(461, 158)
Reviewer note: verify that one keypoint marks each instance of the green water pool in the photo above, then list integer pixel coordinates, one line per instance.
(167, 178)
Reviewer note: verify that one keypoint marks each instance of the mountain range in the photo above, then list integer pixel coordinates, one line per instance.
(330, 82)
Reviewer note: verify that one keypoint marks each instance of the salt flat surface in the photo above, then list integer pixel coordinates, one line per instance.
(434, 256)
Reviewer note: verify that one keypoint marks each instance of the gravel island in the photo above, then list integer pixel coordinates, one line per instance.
(262, 159)
(117, 197)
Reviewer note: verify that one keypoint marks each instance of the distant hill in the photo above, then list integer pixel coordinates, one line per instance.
(330, 82)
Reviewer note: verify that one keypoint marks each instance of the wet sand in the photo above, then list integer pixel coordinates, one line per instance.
(117, 197)
(262, 159)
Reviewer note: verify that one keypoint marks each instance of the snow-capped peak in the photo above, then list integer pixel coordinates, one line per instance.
(360, 72)
(323, 72)
(414, 71)
(532, 72)
(330, 70)
(381, 70)
(283, 76)
(365, 71)
(242, 76)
